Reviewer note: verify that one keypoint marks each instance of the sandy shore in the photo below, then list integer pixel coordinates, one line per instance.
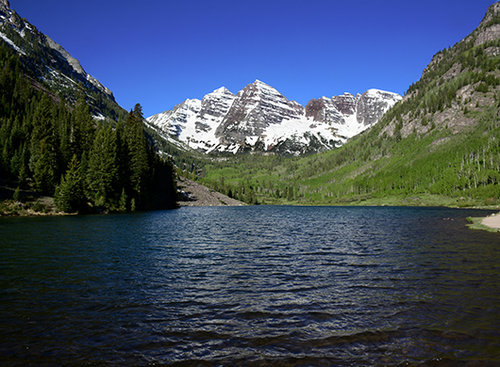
(493, 221)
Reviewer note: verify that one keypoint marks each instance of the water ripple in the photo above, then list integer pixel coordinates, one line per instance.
(250, 286)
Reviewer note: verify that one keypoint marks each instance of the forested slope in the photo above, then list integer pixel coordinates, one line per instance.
(57, 149)
(439, 146)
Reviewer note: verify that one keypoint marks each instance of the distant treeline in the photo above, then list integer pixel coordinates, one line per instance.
(61, 150)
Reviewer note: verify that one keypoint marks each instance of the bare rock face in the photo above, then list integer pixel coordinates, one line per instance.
(315, 108)
(345, 104)
(458, 111)
(259, 118)
(331, 110)
(372, 104)
(489, 34)
(256, 107)
(488, 29)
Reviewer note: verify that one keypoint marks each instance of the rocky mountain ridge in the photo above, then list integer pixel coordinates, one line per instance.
(458, 84)
(259, 118)
(51, 65)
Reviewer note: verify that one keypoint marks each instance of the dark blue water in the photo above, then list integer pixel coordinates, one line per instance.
(250, 286)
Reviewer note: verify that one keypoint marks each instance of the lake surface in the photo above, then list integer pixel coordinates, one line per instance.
(257, 285)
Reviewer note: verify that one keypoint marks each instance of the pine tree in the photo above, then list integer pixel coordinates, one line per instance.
(17, 195)
(122, 158)
(43, 160)
(122, 205)
(69, 196)
(162, 190)
(138, 153)
(81, 129)
(102, 169)
(44, 171)
(63, 128)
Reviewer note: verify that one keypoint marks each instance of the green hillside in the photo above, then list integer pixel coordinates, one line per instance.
(439, 146)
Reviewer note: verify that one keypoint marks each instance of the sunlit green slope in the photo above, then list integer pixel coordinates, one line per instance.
(439, 146)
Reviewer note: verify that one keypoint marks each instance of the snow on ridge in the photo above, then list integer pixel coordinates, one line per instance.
(21, 25)
(12, 44)
(260, 116)
(374, 91)
(265, 88)
(221, 90)
(75, 64)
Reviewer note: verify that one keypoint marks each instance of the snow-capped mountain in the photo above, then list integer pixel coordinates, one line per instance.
(52, 65)
(259, 118)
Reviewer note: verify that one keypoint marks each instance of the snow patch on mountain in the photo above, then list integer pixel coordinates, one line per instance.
(259, 118)
(12, 44)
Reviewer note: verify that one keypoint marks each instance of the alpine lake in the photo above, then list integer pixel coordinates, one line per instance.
(255, 285)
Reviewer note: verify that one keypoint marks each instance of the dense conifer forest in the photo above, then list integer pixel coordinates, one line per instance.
(61, 150)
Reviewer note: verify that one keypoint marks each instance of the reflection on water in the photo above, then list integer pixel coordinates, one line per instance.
(250, 285)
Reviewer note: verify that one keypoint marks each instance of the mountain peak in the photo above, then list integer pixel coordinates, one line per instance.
(489, 28)
(492, 11)
(221, 90)
(261, 88)
(374, 91)
(259, 118)
(261, 85)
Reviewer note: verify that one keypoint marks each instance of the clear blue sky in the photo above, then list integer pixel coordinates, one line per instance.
(160, 52)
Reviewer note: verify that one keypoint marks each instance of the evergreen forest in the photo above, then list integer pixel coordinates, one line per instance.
(53, 148)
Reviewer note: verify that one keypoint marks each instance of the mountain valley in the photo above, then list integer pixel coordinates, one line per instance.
(436, 145)
(439, 146)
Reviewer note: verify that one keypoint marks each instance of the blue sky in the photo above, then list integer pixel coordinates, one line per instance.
(160, 52)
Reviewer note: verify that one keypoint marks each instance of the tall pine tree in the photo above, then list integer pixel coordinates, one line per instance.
(70, 195)
(81, 135)
(43, 161)
(138, 154)
(102, 170)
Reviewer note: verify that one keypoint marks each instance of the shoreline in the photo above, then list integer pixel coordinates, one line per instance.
(493, 221)
(196, 194)
(490, 223)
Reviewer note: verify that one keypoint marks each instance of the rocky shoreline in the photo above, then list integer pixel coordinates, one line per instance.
(195, 194)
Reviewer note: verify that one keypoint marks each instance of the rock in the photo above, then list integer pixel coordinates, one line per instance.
(195, 194)
(260, 119)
